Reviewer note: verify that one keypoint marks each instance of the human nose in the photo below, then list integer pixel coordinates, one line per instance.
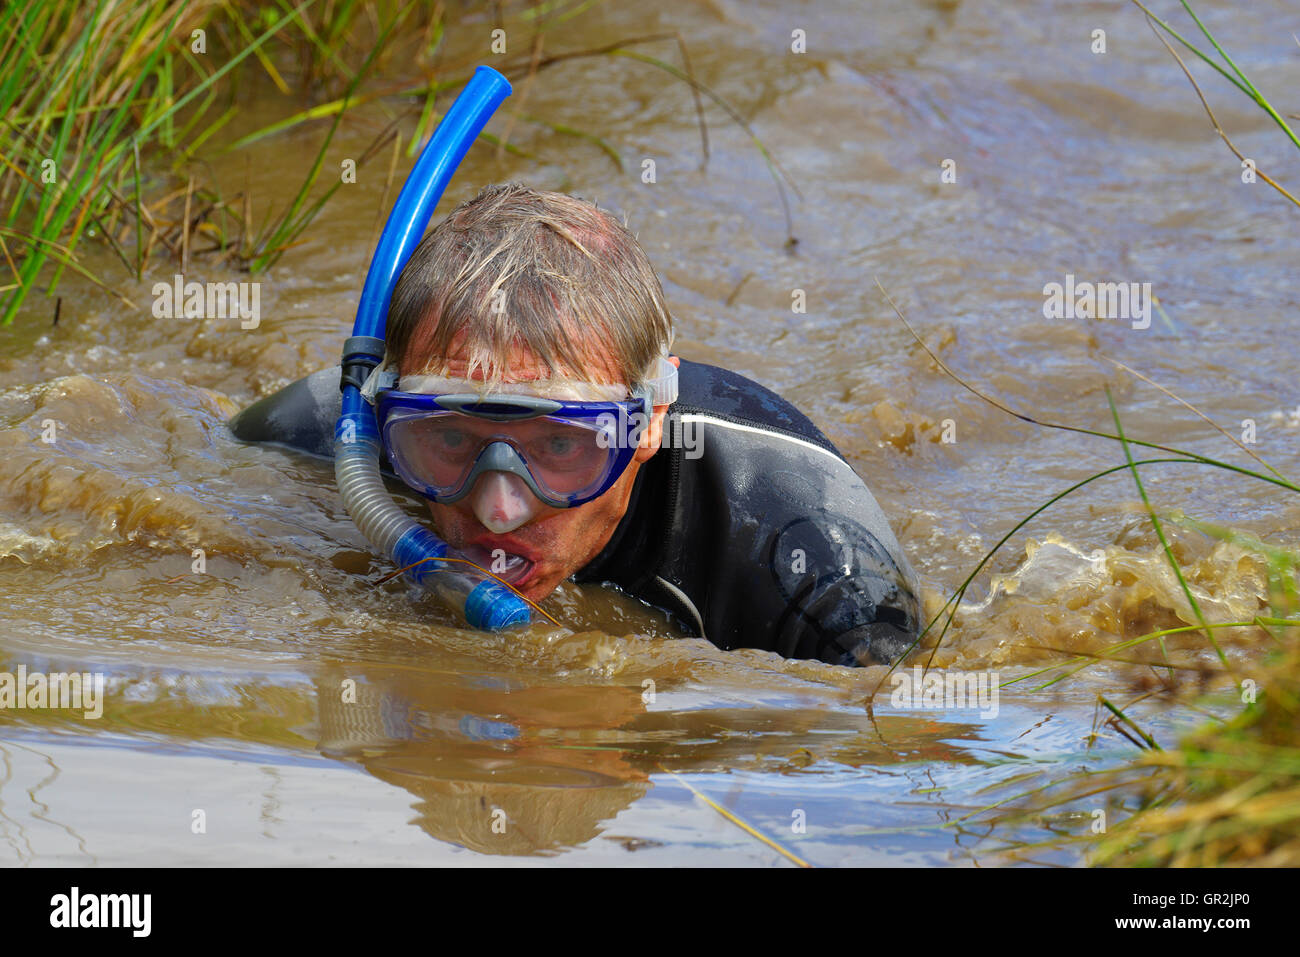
(502, 502)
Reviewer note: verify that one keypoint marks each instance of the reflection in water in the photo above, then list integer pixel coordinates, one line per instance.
(18, 838)
(516, 761)
(489, 763)
(514, 766)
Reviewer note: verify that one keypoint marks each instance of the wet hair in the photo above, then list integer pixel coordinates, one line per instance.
(517, 266)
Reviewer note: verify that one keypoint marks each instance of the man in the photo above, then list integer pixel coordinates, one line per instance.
(725, 505)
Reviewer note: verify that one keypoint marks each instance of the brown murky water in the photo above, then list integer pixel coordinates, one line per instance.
(594, 742)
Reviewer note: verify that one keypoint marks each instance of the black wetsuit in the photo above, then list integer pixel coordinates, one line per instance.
(747, 525)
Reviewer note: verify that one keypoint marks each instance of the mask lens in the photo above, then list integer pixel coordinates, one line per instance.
(563, 458)
(437, 451)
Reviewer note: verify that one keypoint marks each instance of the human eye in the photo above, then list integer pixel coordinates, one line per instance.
(558, 449)
(561, 446)
(449, 441)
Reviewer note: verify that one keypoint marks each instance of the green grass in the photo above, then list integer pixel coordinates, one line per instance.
(1229, 793)
(106, 114)
(85, 90)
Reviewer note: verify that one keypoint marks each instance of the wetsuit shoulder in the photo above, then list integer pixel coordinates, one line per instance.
(730, 397)
(751, 526)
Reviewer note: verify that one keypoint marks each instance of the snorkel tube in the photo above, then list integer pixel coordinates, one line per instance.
(486, 604)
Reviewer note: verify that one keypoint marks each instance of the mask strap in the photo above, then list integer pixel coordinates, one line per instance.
(559, 389)
(662, 384)
(378, 380)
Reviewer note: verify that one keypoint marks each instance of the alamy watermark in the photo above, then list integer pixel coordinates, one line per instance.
(179, 299)
(679, 431)
(1102, 300)
(75, 909)
(950, 691)
(83, 691)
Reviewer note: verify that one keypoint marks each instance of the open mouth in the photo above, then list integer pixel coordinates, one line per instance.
(514, 569)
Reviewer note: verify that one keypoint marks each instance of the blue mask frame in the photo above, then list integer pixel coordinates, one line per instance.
(502, 455)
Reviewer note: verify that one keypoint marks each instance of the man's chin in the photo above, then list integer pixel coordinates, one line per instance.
(538, 587)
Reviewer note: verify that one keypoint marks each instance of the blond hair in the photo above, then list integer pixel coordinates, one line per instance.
(518, 266)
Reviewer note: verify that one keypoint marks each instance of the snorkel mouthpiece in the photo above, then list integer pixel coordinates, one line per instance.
(486, 604)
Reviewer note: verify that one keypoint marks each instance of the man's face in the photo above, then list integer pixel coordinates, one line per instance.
(557, 541)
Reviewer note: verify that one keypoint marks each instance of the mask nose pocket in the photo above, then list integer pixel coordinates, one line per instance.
(502, 502)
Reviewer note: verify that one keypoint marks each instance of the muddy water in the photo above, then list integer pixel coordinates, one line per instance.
(606, 740)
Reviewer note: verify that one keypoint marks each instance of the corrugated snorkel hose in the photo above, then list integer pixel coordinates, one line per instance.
(487, 604)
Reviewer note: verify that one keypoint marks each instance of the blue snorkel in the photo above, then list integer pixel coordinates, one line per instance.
(487, 604)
